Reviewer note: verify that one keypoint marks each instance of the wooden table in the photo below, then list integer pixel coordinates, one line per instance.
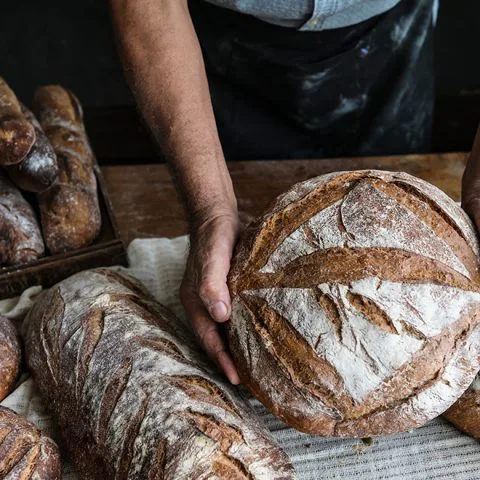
(146, 203)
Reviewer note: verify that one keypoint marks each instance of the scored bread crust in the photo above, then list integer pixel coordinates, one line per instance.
(25, 453)
(465, 412)
(10, 356)
(38, 171)
(20, 237)
(356, 304)
(69, 210)
(132, 394)
(17, 134)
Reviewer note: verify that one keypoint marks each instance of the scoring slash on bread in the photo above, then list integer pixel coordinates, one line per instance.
(38, 171)
(20, 237)
(132, 394)
(69, 210)
(17, 134)
(10, 356)
(25, 453)
(356, 304)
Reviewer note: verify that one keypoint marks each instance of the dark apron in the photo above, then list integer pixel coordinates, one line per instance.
(282, 93)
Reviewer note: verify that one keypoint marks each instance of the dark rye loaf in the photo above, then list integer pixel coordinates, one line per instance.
(10, 356)
(17, 134)
(25, 453)
(20, 237)
(38, 171)
(69, 210)
(133, 396)
(356, 304)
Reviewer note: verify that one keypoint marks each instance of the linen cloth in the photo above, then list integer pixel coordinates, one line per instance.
(435, 451)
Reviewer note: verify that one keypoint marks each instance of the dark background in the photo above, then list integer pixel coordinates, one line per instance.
(72, 43)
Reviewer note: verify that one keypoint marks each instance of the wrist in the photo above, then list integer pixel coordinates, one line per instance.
(204, 218)
(206, 187)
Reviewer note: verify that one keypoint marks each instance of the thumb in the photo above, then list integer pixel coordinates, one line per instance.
(212, 287)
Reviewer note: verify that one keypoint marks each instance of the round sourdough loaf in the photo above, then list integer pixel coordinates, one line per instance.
(356, 304)
(465, 412)
(10, 356)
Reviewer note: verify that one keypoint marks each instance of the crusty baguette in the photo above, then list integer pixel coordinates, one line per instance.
(356, 304)
(133, 396)
(38, 171)
(70, 212)
(25, 453)
(20, 237)
(17, 134)
(10, 356)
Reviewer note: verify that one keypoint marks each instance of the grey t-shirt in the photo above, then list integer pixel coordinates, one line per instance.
(310, 14)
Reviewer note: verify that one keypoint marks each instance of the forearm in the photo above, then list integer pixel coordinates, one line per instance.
(164, 67)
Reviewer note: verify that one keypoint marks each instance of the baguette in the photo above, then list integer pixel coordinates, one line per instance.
(39, 170)
(10, 356)
(132, 394)
(25, 453)
(70, 212)
(356, 304)
(20, 237)
(17, 134)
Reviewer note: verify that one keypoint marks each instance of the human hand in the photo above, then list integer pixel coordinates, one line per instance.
(471, 183)
(204, 291)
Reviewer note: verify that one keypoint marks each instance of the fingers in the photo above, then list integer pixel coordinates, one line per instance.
(212, 282)
(204, 292)
(216, 350)
(208, 333)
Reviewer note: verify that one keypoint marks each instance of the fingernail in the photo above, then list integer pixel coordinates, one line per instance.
(229, 369)
(219, 311)
(234, 379)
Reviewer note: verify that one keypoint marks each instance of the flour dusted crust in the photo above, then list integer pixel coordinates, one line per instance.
(20, 237)
(39, 170)
(465, 412)
(133, 396)
(10, 356)
(25, 453)
(69, 210)
(356, 304)
(17, 134)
